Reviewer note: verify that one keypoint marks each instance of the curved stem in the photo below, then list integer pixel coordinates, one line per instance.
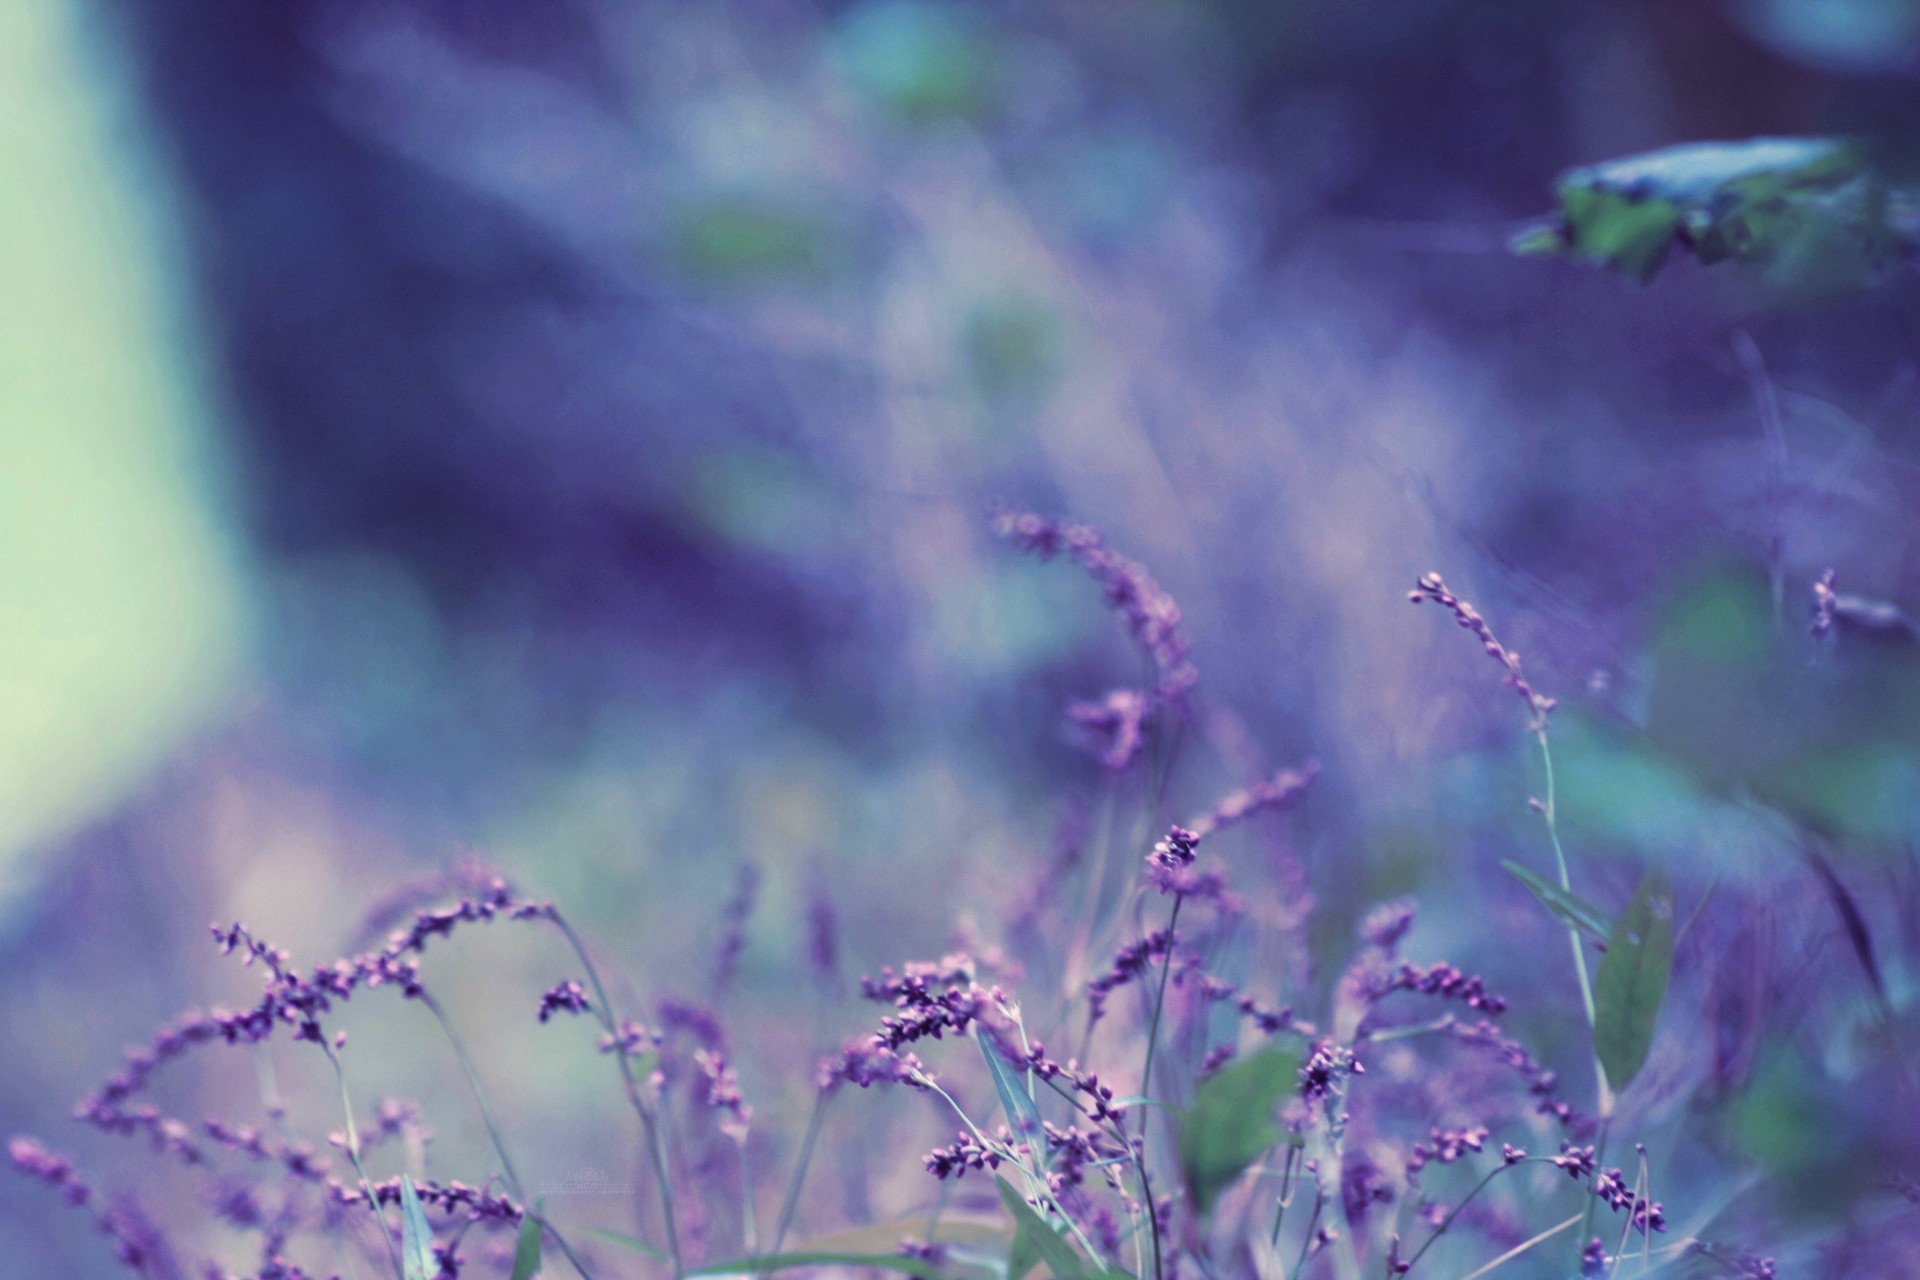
(1521, 1248)
(792, 1202)
(649, 1127)
(1319, 1203)
(495, 1134)
(479, 1095)
(1478, 1188)
(1551, 814)
(353, 1154)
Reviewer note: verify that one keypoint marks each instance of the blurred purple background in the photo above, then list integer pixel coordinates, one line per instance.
(579, 427)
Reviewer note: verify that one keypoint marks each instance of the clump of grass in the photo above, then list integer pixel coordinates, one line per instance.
(1201, 1121)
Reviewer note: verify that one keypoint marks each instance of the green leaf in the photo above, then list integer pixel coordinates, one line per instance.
(1569, 908)
(526, 1250)
(1022, 1115)
(1231, 1122)
(1806, 209)
(416, 1237)
(1025, 1254)
(1632, 982)
(1034, 1240)
(628, 1242)
(777, 1261)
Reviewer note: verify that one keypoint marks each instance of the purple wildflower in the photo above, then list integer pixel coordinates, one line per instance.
(1445, 1146)
(1540, 1081)
(1612, 1189)
(1176, 852)
(863, 1062)
(823, 939)
(1128, 963)
(298, 1159)
(722, 1093)
(966, 1152)
(1577, 1161)
(1824, 601)
(695, 1020)
(138, 1243)
(34, 1160)
(1431, 587)
(1277, 794)
(1113, 724)
(476, 1204)
(1362, 1186)
(1446, 982)
(631, 1039)
(565, 997)
(733, 928)
(1324, 1074)
(1152, 617)
(1388, 923)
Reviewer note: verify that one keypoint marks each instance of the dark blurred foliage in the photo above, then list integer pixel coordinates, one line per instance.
(619, 392)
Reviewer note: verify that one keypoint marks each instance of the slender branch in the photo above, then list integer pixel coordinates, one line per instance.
(1521, 1248)
(495, 1133)
(603, 1007)
(1478, 1188)
(353, 1154)
(792, 1201)
(1146, 1070)
(1319, 1203)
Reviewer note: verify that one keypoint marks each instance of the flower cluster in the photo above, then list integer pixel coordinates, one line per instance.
(1129, 963)
(1446, 982)
(476, 1204)
(864, 1063)
(1152, 617)
(1170, 870)
(1540, 1081)
(1577, 1161)
(138, 1243)
(565, 997)
(1431, 587)
(722, 1093)
(1618, 1195)
(1114, 724)
(1445, 1146)
(1324, 1074)
(968, 1152)
(1278, 794)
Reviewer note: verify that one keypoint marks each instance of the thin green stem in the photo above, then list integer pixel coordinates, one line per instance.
(1599, 1159)
(792, 1201)
(1036, 1184)
(1328, 1176)
(353, 1154)
(1119, 1132)
(1285, 1199)
(1319, 1203)
(495, 1133)
(1159, 1004)
(1626, 1228)
(1603, 1089)
(1521, 1248)
(472, 1073)
(650, 1128)
(1550, 812)
(749, 1220)
(1478, 1188)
